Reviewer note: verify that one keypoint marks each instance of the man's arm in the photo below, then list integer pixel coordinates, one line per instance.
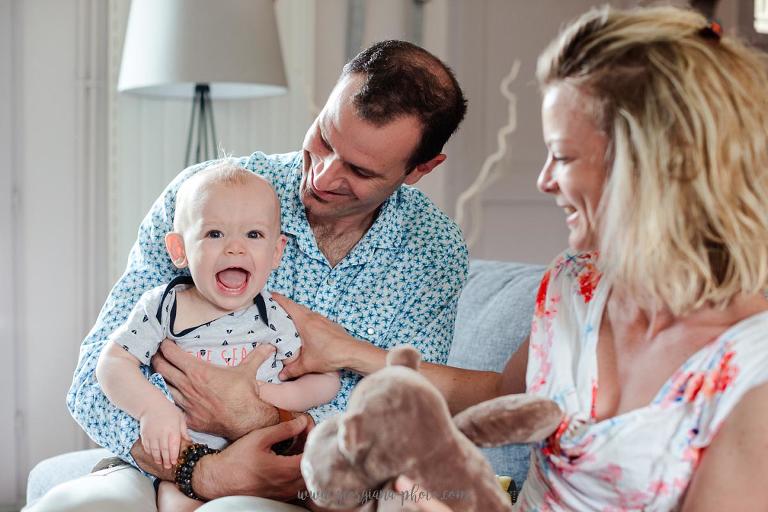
(461, 388)
(328, 347)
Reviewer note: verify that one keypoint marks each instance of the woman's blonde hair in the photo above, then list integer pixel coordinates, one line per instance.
(684, 212)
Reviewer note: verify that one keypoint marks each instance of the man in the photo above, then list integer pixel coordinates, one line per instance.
(376, 257)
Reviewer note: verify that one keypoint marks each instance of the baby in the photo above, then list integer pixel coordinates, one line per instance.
(226, 229)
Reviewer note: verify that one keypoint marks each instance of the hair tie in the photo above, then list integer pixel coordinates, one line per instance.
(713, 30)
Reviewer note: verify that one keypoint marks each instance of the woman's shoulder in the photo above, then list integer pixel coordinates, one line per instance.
(573, 275)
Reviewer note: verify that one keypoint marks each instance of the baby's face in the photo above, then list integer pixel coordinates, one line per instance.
(233, 242)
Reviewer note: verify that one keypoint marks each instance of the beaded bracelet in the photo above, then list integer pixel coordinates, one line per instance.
(186, 465)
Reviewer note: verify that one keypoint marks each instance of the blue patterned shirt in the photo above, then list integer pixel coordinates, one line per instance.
(399, 284)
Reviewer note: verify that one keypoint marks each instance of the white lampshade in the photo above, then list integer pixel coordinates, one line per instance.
(232, 45)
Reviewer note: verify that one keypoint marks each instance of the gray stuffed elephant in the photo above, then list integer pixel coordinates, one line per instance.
(398, 423)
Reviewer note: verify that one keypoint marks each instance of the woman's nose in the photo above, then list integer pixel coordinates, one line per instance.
(546, 182)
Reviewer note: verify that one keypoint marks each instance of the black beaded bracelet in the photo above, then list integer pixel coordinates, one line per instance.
(186, 465)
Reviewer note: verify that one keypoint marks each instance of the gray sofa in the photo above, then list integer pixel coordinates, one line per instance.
(493, 319)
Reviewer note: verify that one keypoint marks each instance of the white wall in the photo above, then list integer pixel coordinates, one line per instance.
(53, 245)
(519, 223)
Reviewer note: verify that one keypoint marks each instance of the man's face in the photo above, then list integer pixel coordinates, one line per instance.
(350, 165)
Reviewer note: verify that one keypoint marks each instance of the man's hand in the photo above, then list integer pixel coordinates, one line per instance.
(218, 400)
(325, 345)
(248, 467)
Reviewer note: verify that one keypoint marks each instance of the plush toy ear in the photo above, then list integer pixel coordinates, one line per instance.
(509, 419)
(331, 479)
(353, 441)
(404, 355)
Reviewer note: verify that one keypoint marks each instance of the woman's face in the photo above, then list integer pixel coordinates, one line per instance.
(575, 170)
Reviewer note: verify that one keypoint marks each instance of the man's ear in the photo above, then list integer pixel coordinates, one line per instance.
(422, 170)
(279, 247)
(174, 244)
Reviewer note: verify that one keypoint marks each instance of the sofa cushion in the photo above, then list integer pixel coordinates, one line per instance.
(493, 319)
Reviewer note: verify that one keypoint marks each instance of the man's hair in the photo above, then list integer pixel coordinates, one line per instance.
(402, 79)
(684, 212)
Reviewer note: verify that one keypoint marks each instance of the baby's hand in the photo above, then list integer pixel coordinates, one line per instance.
(162, 427)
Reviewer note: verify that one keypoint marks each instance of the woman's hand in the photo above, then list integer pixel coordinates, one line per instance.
(425, 503)
(326, 346)
(218, 400)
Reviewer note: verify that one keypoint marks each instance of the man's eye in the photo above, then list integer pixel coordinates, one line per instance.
(255, 234)
(214, 233)
(360, 172)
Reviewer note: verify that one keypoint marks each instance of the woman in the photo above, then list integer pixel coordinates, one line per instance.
(655, 345)
(652, 330)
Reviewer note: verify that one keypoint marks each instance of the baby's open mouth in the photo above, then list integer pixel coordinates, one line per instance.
(233, 279)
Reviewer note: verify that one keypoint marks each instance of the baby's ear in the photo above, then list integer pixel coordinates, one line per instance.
(174, 244)
(279, 247)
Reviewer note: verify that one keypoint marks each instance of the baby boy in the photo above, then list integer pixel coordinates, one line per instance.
(226, 230)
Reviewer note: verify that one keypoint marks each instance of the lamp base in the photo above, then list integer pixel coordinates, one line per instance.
(202, 132)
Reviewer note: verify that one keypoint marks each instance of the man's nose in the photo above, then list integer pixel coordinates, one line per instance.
(326, 176)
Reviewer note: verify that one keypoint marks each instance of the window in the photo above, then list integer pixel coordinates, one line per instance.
(761, 16)
(753, 22)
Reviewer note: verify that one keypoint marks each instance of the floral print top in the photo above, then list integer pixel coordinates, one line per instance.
(642, 459)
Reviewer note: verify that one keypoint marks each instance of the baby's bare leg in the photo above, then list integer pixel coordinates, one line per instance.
(170, 499)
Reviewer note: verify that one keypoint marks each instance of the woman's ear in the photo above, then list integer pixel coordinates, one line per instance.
(174, 244)
(279, 246)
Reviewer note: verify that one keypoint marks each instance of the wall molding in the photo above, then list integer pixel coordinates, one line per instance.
(91, 160)
(10, 370)
(52, 208)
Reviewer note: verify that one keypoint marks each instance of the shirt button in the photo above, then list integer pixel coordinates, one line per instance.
(330, 281)
(370, 331)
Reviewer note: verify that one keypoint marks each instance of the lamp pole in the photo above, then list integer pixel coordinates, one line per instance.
(202, 130)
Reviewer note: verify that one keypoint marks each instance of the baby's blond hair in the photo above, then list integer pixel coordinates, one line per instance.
(226, 171)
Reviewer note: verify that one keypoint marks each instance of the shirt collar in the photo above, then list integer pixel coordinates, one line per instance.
(386, 231)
